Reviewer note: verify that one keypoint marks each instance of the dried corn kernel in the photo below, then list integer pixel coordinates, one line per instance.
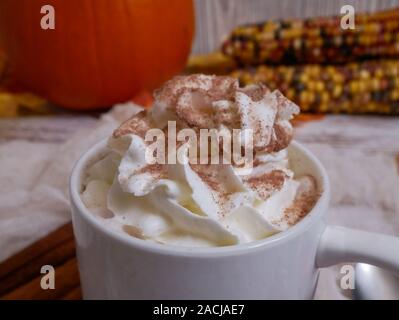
(366, 87)
(316, 40)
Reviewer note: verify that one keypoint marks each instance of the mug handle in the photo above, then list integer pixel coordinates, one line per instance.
(340, 245)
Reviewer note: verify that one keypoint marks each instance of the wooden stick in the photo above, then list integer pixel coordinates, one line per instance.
(66, 280)
(56, 256)
(35, 250)
(75, 294)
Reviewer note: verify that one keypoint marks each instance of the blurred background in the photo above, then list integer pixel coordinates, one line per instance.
(64, 89)
(219, 17)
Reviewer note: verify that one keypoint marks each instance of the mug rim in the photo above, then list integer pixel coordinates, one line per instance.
(312, 217)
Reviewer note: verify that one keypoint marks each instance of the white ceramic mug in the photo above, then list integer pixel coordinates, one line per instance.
(284, 266)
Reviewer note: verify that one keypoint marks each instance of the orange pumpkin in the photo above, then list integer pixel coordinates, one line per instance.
(100, 52)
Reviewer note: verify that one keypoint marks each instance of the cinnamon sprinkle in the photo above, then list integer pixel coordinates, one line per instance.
(139, 124)
(267, 183)
(299, 208)
(209, 174)
(303, 203)
(158, 171)
(255, 92)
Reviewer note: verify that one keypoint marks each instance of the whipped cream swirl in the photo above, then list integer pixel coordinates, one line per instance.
(202, 204)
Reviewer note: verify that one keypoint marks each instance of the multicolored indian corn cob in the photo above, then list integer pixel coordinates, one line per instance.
(316, 40)
(357, 87)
